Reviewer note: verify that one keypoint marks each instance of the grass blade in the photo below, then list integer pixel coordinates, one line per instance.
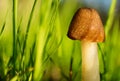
(28, 26)
(3, 27)
(110, 16)
(14, 19)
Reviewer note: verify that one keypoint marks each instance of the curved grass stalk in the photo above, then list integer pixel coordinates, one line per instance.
(3, 27)
(41, 40)
(28, 26)
(26, 34)
(110, 17)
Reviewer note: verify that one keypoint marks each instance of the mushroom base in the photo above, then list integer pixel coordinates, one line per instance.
(90, 63)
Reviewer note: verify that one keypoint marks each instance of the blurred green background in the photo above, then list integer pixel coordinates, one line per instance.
(34, 45)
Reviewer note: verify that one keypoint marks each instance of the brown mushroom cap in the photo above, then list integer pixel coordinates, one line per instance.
(86, 25)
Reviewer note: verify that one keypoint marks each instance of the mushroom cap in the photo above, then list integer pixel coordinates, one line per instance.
(86, 25)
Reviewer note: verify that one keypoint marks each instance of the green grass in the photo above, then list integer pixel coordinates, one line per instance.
(34, 45)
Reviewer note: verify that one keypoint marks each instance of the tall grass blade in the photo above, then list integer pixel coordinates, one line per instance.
(110, 19)
(28, 26)
(26, 34)
(14, 32)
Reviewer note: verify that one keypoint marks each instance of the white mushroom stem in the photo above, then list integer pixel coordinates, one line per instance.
(90, 63)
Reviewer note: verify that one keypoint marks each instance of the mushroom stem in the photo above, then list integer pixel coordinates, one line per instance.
(90, 63)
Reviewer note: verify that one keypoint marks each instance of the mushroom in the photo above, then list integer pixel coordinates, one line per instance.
(87, 26)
